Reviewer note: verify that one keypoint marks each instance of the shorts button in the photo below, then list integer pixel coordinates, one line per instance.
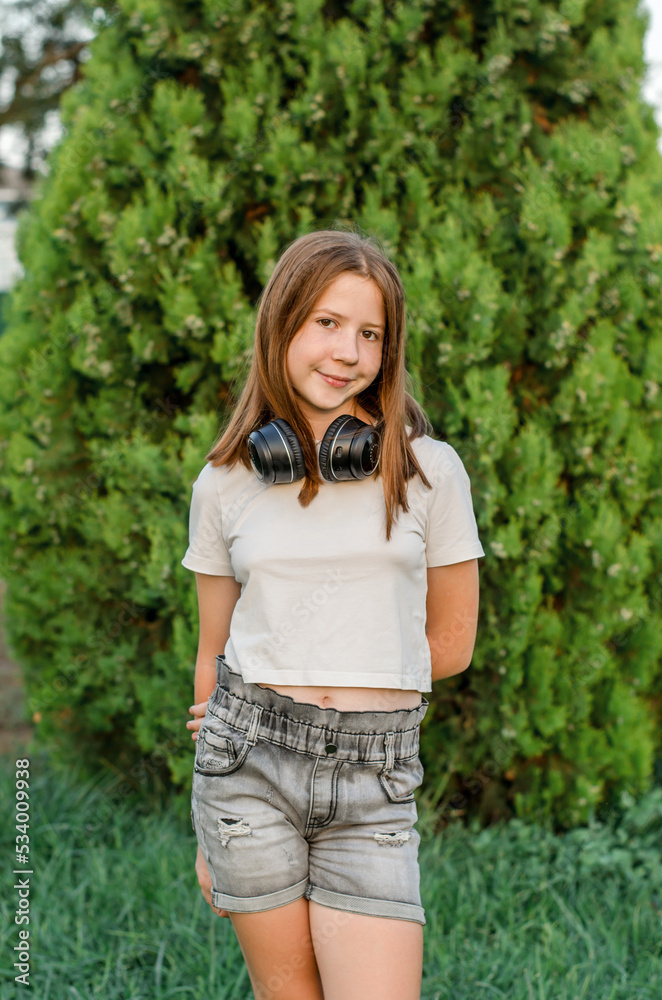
(330, 748)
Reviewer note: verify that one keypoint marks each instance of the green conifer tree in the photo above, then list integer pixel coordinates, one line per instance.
(503, 154)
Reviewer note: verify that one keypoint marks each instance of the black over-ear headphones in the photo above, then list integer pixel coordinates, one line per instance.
(349, 450)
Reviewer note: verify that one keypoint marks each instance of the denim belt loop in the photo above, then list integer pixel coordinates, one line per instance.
(254, 724)
(390, 753)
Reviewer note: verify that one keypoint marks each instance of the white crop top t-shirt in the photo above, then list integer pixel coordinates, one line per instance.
(325, 599)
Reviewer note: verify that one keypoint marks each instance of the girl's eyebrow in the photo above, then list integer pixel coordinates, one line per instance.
(340, 316)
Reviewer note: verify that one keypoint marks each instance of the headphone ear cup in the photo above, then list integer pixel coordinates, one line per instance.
(325, 447)
(295, 447)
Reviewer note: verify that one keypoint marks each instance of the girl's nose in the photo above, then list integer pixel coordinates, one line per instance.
(346, 350)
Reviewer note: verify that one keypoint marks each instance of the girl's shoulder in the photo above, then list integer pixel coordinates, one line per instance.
(438, 459)
(429, 451)
(216, 479)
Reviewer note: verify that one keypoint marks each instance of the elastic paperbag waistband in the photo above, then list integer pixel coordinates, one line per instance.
(269, 715)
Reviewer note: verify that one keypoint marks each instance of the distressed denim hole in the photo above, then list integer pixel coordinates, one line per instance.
(393, 839)
(228, 828)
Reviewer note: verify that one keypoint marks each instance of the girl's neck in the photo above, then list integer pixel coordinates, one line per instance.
(360, 413)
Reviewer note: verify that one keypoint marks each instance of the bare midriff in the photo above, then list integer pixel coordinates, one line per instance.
(351, 699)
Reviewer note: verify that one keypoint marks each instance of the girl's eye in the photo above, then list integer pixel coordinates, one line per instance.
(375, 336)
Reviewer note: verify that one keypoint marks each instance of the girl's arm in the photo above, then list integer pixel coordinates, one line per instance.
(217, 596)
(452, 616)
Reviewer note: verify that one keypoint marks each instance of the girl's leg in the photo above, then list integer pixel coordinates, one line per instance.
(278, 952)
(363, 957)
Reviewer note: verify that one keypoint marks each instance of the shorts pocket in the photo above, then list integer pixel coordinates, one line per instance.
(401, 781)
(219, 748)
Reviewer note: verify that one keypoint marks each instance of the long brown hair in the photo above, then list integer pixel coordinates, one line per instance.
(303, 272)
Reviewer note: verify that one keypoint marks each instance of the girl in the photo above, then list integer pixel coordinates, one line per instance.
(335, 551)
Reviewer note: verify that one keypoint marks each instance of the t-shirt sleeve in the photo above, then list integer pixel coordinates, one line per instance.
(207, 551)
(452, 533)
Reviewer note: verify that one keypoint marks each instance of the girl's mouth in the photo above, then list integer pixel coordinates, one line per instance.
(338, 383)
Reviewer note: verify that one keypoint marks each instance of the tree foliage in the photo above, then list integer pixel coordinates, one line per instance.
(505, 157)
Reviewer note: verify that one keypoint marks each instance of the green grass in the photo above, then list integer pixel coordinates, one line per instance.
(512, 911)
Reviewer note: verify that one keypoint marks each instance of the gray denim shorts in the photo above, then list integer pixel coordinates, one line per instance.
(292, 800)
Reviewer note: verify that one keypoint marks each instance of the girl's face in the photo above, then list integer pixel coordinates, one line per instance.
(342, 336)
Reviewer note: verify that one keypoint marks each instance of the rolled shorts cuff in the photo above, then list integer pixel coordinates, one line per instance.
(361, 904)
(254, 904)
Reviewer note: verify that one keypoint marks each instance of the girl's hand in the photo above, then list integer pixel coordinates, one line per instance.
(204, 879)
(199, 711)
